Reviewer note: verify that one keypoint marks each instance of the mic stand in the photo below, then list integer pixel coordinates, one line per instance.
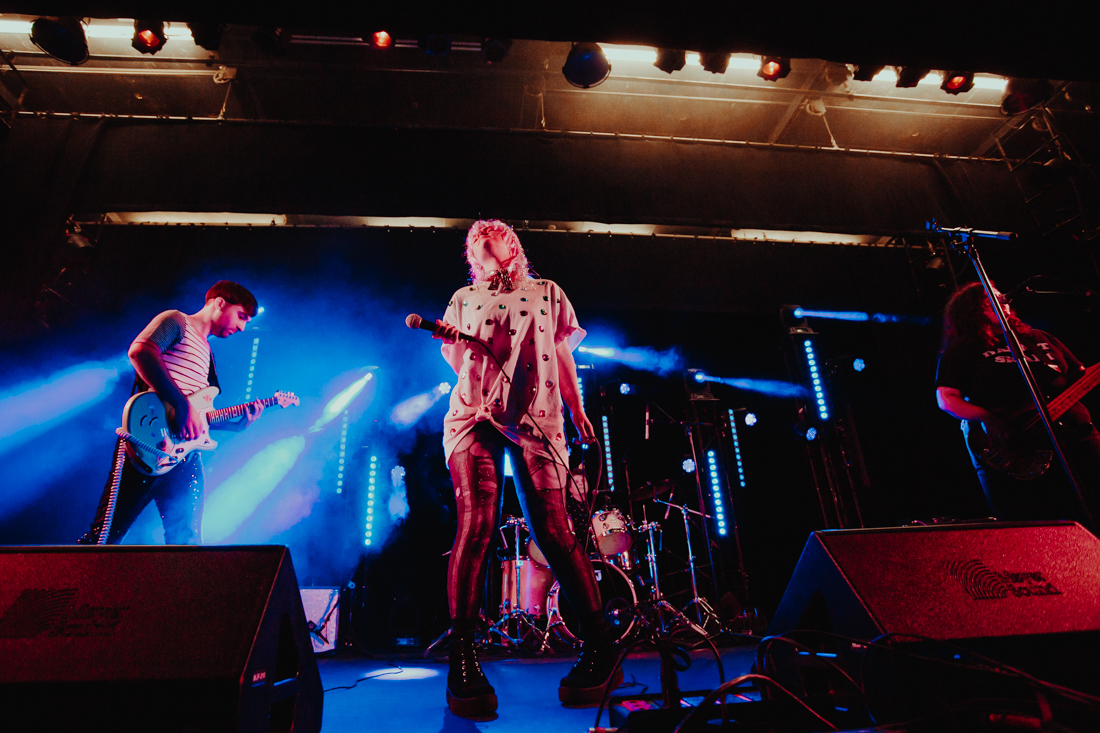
(703, 610)
(962, 240)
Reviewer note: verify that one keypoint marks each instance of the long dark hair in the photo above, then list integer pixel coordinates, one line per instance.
(968, 318)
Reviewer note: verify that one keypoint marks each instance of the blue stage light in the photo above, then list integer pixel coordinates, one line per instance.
(815, 378)
(372, 484)
(811, 434)
(688, 465)
(625, 388)
(607, 453)
(716, 492)
(750, 418)
(859, 365)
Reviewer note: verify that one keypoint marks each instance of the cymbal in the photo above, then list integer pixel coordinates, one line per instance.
(652, 490)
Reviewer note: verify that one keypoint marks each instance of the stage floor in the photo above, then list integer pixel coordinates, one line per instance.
(408, 693)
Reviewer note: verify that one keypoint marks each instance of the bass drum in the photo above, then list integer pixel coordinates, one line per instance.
(617, 594)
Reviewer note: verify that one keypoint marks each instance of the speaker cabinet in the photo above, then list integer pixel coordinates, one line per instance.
(962, 581)
(128, 638)
(945, 600)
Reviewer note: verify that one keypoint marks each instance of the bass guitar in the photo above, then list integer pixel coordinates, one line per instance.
(1018, 458)
(150, 442)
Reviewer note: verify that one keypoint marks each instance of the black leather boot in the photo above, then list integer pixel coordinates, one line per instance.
(469, 693)
(596, 672)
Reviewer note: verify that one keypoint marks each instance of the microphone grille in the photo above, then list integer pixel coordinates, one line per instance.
(413, 321)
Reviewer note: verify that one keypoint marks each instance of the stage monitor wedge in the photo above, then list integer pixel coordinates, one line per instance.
(165, 638)
(957, 581)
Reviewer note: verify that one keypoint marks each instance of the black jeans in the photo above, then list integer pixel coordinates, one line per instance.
(179, 498)
(477, 468)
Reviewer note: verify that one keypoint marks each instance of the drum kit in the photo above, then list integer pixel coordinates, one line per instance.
(533, 612)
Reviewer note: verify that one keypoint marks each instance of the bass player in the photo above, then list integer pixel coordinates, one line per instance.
(979, 382)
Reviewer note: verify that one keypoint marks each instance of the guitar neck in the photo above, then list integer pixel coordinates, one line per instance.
(232, 413)
(1060, 404)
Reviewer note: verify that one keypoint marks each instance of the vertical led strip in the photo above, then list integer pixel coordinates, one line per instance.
(716, 492)
(580, 390)
(371, 485)
(815, 379)
(252, 369)
(607, 453)
(343, 450)
(737, 450)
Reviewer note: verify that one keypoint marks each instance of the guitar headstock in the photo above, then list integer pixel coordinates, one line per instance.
(286, 399)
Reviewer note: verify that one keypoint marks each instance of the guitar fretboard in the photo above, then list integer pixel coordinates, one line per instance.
(232, 413)
(1058, 406)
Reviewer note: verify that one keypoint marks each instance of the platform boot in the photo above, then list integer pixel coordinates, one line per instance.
(596, 671)
(469, 694)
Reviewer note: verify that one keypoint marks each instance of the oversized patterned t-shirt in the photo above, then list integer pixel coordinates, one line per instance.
(522, 328)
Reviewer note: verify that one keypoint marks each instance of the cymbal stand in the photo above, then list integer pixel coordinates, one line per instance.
(525, 624)
(657, 605)
(703, 610)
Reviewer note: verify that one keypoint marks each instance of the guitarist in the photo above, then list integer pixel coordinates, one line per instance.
(978, 381)
(172, 357)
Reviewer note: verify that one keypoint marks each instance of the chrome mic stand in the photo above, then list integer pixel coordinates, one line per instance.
(703, 610)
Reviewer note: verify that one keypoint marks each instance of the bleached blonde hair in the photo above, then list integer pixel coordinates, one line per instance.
(518, 270)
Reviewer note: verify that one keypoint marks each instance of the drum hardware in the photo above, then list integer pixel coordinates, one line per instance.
(652, 490)
(704, 612)
(511, 605)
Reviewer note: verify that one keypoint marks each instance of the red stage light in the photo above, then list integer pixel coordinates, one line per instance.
(957, 82)
(381, 39)
(773, 68)
(148, 36)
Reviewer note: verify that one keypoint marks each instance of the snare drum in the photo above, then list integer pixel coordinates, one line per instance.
(612, 532)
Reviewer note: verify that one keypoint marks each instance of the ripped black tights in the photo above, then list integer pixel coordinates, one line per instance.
(477, 465)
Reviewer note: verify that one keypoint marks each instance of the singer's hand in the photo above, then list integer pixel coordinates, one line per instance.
(584, 428)
(446, 333)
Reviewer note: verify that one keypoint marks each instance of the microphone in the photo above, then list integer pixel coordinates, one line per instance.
(647, 421)
(414, 321)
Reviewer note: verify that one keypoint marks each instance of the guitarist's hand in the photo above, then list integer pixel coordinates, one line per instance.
(252, 412)
(188, 423)
(997, 430)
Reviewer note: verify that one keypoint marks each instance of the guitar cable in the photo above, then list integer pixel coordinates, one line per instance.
(112, 498)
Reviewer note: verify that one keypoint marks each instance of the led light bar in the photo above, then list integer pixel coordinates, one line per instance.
(343, 449)
(607, 453)
(716, 492)
(815, 380)
(371, 486)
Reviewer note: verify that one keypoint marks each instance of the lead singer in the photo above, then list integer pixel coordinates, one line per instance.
(512, 381)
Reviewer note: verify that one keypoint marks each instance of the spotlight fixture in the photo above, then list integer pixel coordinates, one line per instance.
(148, 36)
(859, 364)
(1022, 95)
(807, 432)
(207, 35)
(626, 388)
(715, 63)
(435, 44)
(381, 39)
(957, 82)
(688, 465)
(866, 72)
(750, 419)
(493, 50)
(670, 59)
(586, 66)
(271, 39)
(910, 76)
(63, 39)
(774, 68)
